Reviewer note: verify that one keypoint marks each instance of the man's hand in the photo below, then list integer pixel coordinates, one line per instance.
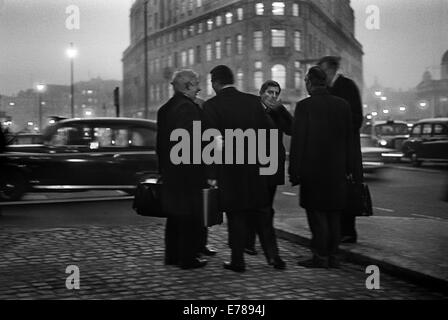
(212, 182)
(274, 104)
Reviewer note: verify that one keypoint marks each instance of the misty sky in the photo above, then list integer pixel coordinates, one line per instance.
(413, 36)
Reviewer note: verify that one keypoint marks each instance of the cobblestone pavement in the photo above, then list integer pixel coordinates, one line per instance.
(127, 263)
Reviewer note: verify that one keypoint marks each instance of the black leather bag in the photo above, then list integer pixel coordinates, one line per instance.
(211, 213)
(359, 201)
(147, 199)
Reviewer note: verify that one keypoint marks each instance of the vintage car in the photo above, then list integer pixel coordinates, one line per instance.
(82, 154)
(375, 158)
(428, 141)
(387, 134)
(27, 138)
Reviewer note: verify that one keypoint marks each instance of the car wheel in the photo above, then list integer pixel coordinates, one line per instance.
(415, 161)
(12, 186)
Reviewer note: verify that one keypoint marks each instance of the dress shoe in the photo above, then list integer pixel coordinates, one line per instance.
(313, 263)
(251, 251)
(348, 239)
(208, 251)
(278, 263)
(233, 267)
(194, 264)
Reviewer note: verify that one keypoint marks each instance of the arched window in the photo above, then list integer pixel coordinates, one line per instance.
(258, 79)
(239, 79)
(209, 85)
(279, 74)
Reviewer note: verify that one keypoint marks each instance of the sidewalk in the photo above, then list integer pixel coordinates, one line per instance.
(411, 248)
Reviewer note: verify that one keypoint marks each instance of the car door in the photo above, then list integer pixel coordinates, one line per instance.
(412, 145)
(424, 150)
(438, 145)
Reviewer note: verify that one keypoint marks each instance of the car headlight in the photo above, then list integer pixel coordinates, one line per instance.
(382, 142)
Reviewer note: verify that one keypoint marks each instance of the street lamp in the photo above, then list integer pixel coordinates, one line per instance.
(40, 88)
(378, 93)
(72, 53)
(384, 98)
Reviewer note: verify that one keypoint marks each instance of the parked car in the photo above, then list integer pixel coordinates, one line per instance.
(27, 138)
(387, 134)
(428, 141)
(375, 158)
(82, 154)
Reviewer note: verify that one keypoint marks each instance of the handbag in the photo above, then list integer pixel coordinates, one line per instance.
(211, 214)
(147, 200)
(359, 200)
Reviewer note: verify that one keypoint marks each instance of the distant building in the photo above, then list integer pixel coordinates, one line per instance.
(92, 98)
(432, 94)
(258, 39)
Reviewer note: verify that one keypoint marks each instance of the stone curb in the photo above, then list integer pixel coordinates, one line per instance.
(404, 273)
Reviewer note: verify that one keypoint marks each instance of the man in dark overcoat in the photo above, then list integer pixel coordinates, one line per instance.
(182, 183)
(320, 161)
(346, 89)
(278, 118)
(243, 191)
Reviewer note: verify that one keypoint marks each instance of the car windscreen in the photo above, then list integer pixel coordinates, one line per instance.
(391, 129)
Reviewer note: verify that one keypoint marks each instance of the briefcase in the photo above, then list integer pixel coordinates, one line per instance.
(211, 214)
(359, 201)
(147, 199)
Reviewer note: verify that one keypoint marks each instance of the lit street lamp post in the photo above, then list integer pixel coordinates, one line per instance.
(72, 53)
(40, 88)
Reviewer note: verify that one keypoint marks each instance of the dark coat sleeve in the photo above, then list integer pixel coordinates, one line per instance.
(285, 120)
(354, 99)
(297, 146)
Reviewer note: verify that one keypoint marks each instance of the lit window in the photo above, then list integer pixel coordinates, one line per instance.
(191, 30)
(239, 44)
(157, 93)
(295, 9)
(297, 41)
(170, 90)
(278, 38)
(218, 49)
(218, 21)
(240, 14)
(183, 58)
(259, 9)
(229, 16)
(239, 79)
(258, 79)
(297, 79)
(157, 65)
(258, 64)
(208, 52)
(199, 27)
(198, 3)
(279, 74)
(209, 85)
(209, 24)
(191, 56)
(228, 47)
(278, 8)
(297, 64)
(258, 40)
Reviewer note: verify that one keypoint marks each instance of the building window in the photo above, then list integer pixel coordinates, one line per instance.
(228, 47)
(151, 93)
(278, 8)
(297, 79)
(198, 3)
(209, 24)
(259, 9)
(239, 44)
(229, 16)
(239, 79)
(278, 38)
(198, 54)
(297, 41)
(279, 74)
(218, 49)
(208, 52)
(218, 21)
(157, 92)
(209, 85)
(183, 59)
(258, 40)
(191, 30)
(258, 79)
(170, 90)
(191, 56)
(258, 64)
(157, 65)
(169, 61)
(297, 64)
(199, 27)
(295, 9)
(240, 14)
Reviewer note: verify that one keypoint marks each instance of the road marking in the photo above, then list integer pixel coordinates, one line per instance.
(425, 216)
(384, 209)
(289, 193)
